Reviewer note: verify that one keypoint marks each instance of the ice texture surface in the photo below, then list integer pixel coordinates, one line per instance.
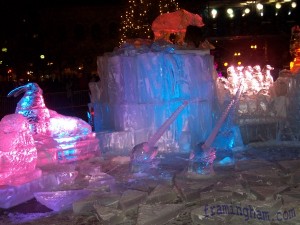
(18, 154)
(142, 90)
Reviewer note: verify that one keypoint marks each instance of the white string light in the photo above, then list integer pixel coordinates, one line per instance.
(133, 21)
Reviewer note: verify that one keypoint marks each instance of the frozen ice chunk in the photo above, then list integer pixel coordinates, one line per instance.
(100, 181)
(143, 157)
(190, 189)
(18, 154)
(23, 191)
(162, 194)
(201, 160)
(60, 200)
(131, 198)
(157, 214)
(110, 216)
(267, 192)
(102, 199)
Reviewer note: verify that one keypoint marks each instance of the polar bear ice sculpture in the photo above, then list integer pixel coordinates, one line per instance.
(176, 22)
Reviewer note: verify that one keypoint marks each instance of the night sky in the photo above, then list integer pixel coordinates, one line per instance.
(18, 19)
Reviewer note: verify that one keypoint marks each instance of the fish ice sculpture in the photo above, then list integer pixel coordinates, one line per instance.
(145, 152)
(203, 156)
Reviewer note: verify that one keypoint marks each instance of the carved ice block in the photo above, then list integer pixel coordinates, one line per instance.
(18, 154)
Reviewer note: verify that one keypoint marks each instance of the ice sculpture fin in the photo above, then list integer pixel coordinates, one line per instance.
(152, 141)
(207, 144)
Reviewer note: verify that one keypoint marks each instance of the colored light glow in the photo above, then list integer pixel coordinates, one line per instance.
(293, 5)
(229, 11)
(214, 13)
(259, 6)
(277, 5)
(291, 65)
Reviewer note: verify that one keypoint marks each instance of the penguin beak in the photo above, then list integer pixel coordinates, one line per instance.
(17, 91)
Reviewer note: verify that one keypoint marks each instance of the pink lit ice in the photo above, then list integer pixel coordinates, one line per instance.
(18, 154)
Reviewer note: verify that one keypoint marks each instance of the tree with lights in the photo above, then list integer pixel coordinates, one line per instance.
(137, 19)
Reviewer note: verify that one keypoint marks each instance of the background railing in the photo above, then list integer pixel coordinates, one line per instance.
(75, 104)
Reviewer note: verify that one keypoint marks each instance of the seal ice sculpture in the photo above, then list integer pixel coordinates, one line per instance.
(43, 120)
(57, 137)
(175, 22)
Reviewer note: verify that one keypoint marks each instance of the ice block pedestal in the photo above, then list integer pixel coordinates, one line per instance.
(141, 90)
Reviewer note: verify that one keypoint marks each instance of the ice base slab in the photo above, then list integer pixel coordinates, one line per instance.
(12, 195)
(60, 200)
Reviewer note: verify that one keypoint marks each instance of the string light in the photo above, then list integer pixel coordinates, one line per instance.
(135, 22)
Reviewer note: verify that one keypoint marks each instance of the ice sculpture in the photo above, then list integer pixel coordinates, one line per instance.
(32, 106)
(175, 22)
(18, 154)
(57, 137)
(203, 156)
(141, 89)
(145, 152)
(258, 91)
